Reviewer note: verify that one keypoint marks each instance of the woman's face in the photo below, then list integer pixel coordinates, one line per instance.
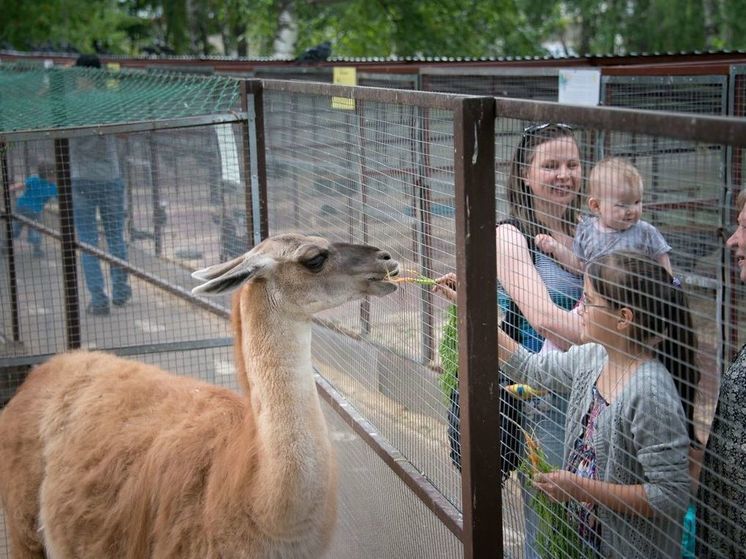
(554, 173)
(737, 243)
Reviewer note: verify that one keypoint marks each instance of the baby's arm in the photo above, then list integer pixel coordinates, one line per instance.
(548, 245)
(665, 261)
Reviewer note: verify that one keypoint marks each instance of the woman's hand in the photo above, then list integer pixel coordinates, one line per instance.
(560, 486)
(446, 286)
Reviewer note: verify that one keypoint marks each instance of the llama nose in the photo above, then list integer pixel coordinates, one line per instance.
(383, 255)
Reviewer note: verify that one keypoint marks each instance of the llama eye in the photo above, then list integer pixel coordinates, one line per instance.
(316, 263)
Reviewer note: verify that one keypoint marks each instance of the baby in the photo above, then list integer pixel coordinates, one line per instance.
(615, 200)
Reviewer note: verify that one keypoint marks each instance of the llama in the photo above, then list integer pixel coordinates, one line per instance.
(108, 457)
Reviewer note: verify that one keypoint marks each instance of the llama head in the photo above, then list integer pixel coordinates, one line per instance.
(305, 273)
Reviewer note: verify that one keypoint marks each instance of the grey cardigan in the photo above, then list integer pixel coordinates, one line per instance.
(641, 438)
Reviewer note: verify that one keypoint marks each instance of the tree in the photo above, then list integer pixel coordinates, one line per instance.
(85, 25)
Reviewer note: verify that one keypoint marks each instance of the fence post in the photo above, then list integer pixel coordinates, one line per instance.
(256, 195)
(474, 163)
(5, 180)
(67, 229)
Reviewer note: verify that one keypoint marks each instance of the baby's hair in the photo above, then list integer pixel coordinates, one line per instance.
(46, 170)
(661, 312)
(617, 167)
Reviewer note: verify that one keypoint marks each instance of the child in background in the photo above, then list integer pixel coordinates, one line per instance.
(38, 190)
(615, 200)
(629, 427)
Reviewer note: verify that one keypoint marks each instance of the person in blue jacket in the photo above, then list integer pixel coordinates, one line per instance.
(37, 189)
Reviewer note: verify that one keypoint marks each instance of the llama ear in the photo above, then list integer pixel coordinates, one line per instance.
(225, 277)
(211, 272)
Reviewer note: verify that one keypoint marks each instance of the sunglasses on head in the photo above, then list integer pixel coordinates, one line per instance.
(534, 129)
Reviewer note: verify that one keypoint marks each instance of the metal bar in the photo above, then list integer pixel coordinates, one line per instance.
(67, 229)
(426, 492)
(706, 129)
(246, 150)
(461, 71)
(424, 214)
(155, 197)
(359, 109)
(173, 289)
(474, 159)
(710, 129)
(127, 351)
(139, 126)
(382, 95)
(9, 248)
(257, 155)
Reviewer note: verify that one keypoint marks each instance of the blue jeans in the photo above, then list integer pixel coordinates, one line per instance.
(545, 418)
(108, 198)
(34, 237)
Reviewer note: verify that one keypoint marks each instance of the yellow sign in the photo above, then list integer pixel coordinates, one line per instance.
(344, 75)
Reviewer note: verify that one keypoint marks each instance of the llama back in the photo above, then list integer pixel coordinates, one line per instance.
(86, 420)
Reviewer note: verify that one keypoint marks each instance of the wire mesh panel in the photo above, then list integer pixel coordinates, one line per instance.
(88, 96)
(540, 85)
(687, 94)
(299, 72)
(610, 360)
(541, 174)
(176, 203)
(683, 179)
(380, 174)
(378, 516)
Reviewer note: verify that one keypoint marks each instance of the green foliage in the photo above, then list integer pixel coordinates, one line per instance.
(378, 28)
(449, 353)
(556, 534)
(82, 24)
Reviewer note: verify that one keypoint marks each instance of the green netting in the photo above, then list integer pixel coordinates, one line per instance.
(33, 98)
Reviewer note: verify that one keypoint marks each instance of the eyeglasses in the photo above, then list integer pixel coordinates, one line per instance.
(585, 305)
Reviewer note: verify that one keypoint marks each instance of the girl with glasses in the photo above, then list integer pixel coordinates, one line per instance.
(629, 425)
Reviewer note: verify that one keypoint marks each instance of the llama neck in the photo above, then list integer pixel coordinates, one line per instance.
(276, 354)
(291, 435)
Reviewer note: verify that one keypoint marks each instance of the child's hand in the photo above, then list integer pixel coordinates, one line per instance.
(446, 286)
(545, 243)
(559, 485)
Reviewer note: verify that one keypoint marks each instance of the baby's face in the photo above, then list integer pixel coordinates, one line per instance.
(619, 205)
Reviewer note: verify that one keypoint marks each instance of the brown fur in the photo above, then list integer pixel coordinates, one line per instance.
(107, 457)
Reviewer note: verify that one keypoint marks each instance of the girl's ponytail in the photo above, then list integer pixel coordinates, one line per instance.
(677, 352)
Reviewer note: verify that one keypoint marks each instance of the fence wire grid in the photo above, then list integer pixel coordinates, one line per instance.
(380, 172)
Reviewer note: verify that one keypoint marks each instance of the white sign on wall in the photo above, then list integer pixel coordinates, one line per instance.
(579, 87)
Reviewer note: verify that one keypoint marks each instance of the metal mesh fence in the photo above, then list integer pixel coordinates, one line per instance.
(55, 98)
(368, 176)
(520, 84)
(384, 173)
(684, 94)
(355, 172)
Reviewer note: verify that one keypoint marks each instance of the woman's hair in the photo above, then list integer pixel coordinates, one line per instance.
(741, 200)
(616, 170)
(520, 197)
(662, 320)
